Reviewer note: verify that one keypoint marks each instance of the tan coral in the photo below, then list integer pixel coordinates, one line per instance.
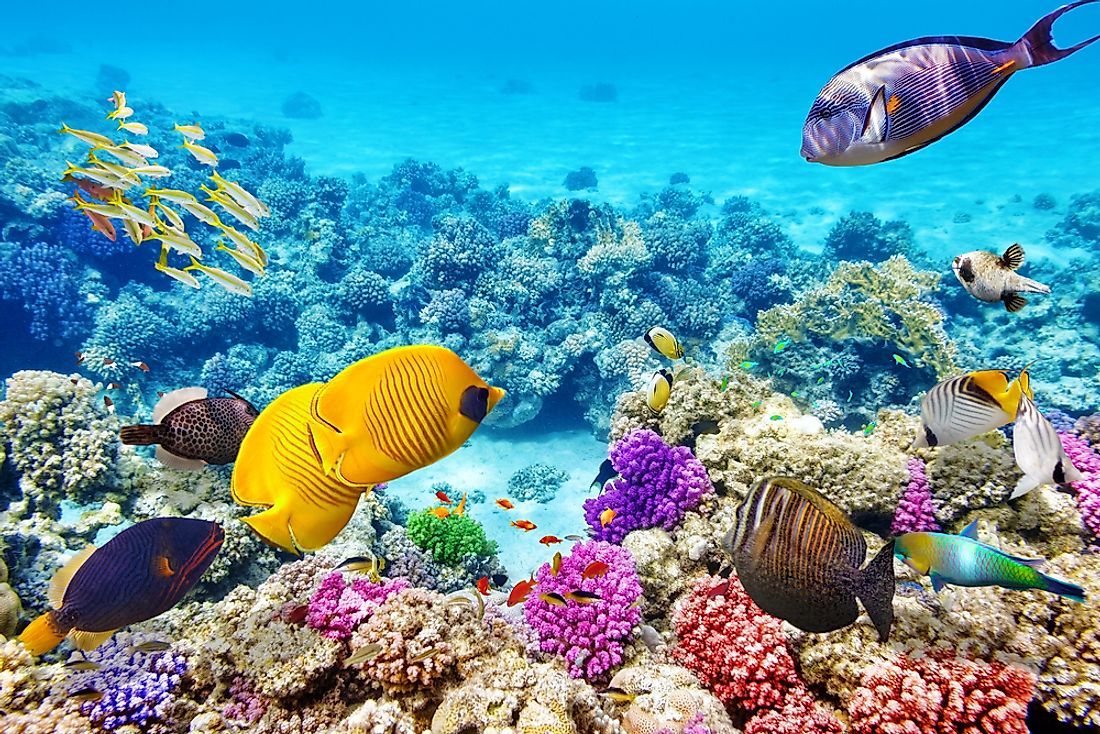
(668, 697)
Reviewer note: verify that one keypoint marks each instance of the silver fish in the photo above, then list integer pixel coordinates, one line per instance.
(902, 98)
(1039, 452)
(990, 277)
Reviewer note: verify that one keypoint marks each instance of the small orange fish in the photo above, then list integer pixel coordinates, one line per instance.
(108, 362)
(101, 224)
(549, 540)
(94, 190)
(109, 404)
(606, 517)
(441, 512)
(140, 365)
(505, 504)
(555, 564)
(461, 509)
(114, 386)
(582, 597)
(553, 599)
(525, 525)
(520, 592)
(442, 496)
(483, 585)
(595, 570)
(79, 357)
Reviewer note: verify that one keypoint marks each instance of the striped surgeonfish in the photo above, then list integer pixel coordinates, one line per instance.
(139, 574)
(799, 557)
(969, 405)
(316, 448)
(904, 97)
(963, 560)
(1039, 452)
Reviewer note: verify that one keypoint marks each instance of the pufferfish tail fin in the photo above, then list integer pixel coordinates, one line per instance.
(1038, 43)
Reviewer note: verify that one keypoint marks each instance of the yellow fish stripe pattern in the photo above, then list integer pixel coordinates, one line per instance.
(316, 448)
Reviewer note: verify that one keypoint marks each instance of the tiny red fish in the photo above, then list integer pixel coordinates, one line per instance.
(525, 525)
(296, 615)
(520, 592)
(114, 386)
(483, 585)
(595, 570)
(549, 540)
(101, 224)
(74, 380)
(93, 190)
(140, 365)
(108, 362)
(79, 357)
(109, 404)
(505, 504)
(160, 393)
(443, 497)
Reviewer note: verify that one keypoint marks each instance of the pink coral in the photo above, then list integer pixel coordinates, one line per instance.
(943, 696)
(411, 628)
(1087, 462)
(740, 653)
(336, 608)
(589, 636)
(916, 512)
(246, 705)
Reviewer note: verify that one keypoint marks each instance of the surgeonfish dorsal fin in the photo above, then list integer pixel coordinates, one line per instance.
(1013, 257)
(60, 581)
(175, 399)
(84, 640)
(179, 463)
(970, 531)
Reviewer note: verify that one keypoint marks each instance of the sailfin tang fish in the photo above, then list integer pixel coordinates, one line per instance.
(139, 574)
(963, 560)
(192, 430)
(799, 557)
(1039, 451)
(902, 98)
(969, 405)
(992, 278)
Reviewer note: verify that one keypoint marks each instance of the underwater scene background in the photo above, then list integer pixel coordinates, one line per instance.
(534, 188)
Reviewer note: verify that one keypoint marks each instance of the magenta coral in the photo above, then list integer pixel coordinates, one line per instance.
(1087, 462)
(945, 696)
(915, 512)
(589, 636)
(740, 654)
(336, 607)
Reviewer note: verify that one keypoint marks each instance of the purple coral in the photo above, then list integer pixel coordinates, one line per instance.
(589, 636)
(916, 513)
(657, 484)
(1087, 462)
(336, 607)
(246, 705)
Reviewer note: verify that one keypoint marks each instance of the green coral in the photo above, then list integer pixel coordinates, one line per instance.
(884, 302)
(449, 538)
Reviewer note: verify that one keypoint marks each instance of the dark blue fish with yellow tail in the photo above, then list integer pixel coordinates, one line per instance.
(963, 560)
(139, 574)
(902, 98)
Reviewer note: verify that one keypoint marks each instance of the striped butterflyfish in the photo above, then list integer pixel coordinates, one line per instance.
(316, 448)
(140, 573)
(969, 405)
(664, 342)
(909, 95)
(1039, 451)
(799, 557)
(659, 390)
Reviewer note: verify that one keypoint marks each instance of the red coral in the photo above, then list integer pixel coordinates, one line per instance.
(933, 695)
(740, 653)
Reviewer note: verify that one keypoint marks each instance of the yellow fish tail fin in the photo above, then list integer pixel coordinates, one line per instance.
(41, 635)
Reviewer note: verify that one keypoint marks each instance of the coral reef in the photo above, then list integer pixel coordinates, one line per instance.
(916, 513)
(539, 482)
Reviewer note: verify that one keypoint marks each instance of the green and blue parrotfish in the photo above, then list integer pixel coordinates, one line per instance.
(963, 560)
(902, 98)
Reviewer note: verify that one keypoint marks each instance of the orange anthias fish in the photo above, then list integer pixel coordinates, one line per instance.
(549, 540)
(520, 592)
(595, 570)
(525, 525)
(606, 517)
(483, 585)
(461, 509)
(505, 504)
(441, 512)
(442, 496)
(90, 188)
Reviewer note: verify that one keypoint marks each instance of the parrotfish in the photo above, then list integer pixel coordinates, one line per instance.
(963, 560)
(192, 430)
(140, 573)
(1039, 451)
(992, 278)
(664, 342)
(969, 405)
(902, 98)
(799, 557)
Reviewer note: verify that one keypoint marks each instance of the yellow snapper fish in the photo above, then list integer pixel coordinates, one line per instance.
(316, 448)
(191, 132)
(170, 214)
(227, 203)
(133, 231)
(230, 282)
(1039, 451)
(105, 210)
(664, 342)
(145, 151)
(969, 405)
(203, 155)
(659, 390)
(121, 113)
(173, 195)
(909, 95)
(93, 139)
(243, 243)
(241, 195)
(136, 128)
(201, 212)
(124, 155)
(151, 170)
(990, 277)
(245, 260)
(180, 275)
(177, 240)
(98, 175)
(134, 213)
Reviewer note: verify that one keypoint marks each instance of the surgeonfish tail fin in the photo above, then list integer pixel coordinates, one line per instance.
(1063, 588)
(142, 435)
(876, 590)
(41, 635)
(1038, 43)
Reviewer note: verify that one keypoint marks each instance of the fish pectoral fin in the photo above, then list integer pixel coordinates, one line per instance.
(1013, 257)
(60, 581)
(179, 463)
(970, 531)
(876, 125)
(272, 525)
(329, 445)
(938, 582)
(1013, 302)
(162, 568)
(86, 641)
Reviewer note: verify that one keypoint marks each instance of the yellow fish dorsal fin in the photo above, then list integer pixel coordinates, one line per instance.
(995, 384)
(84, 640)
(60, 581)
